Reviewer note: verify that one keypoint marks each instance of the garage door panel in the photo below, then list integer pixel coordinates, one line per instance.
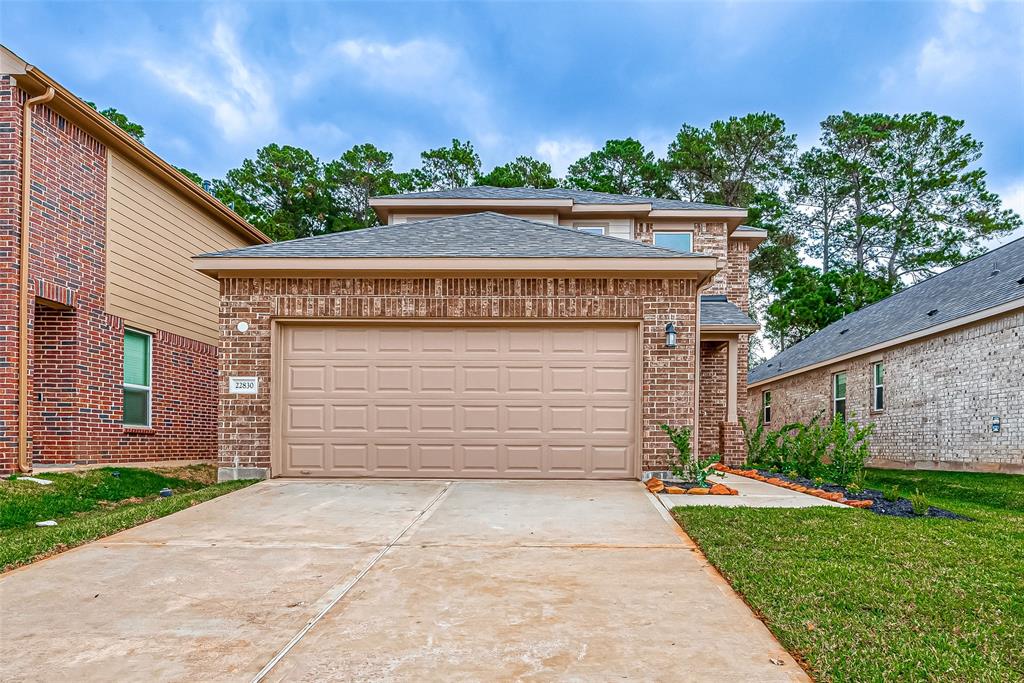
(459, 401)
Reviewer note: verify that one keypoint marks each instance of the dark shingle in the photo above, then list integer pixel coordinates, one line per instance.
(486, 234)
(982, 283)
(716, 309)
(577, 196)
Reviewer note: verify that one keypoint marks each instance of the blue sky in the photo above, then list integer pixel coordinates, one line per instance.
(212, 82)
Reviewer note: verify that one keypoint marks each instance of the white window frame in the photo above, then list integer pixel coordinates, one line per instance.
(139, 387)
(586, 227)
(876, 386)
(766, 406)
(654, 235)
(846, 393)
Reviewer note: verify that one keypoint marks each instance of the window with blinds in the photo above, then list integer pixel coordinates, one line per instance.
(137, 381)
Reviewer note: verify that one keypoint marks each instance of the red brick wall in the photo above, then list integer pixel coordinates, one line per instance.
(76, 361)
(713, 389)
(667, 374)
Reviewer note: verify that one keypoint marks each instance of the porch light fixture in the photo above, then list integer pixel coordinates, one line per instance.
(670, 336)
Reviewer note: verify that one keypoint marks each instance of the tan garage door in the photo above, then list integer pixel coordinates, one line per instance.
(467, 401)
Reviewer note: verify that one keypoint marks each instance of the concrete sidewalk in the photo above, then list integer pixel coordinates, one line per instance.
(391, 580)
(753, 493)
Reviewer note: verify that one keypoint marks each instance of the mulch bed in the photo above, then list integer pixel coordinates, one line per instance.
(879, 505)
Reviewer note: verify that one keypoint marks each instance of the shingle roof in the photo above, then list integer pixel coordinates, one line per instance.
(486, 234)
(716, 309)
(577, 196)
(989, 280)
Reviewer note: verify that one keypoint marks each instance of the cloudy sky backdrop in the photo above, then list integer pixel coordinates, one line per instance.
(213, 82)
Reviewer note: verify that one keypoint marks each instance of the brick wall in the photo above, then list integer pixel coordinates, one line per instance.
(667, 374)
(941, 394)
(76, 360)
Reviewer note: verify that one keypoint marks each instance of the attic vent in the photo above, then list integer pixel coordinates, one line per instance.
(933, 311)
(994, 273)
(844, 330)
(1020, 281)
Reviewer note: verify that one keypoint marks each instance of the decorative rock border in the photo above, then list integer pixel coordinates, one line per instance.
(775, 481)
(655, 485)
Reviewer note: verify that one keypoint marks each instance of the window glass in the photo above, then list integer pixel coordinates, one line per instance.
(879, 394)
(839, 394)
(680, 241)
(137, 389)
(766, 400)
(592, 229)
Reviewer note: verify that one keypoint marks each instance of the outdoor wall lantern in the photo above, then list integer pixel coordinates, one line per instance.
(670, 336)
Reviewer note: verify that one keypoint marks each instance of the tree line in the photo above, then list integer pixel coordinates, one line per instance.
(880, 202)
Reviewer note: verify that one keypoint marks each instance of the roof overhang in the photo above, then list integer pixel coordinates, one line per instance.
(962, 321)
(384, 206)
(729, 329)
(754, 237)
(673, 267)
(67, 104)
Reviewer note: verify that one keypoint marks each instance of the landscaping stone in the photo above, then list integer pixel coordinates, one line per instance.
(675, 490)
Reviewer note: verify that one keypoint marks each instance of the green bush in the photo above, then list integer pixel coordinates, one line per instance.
(687, 466)
(891, 493)
(836, 452)
(847, 450)
(919, 502)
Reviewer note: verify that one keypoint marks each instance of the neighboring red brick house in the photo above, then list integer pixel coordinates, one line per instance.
(938, 369)
(112, 229)
(487, 332)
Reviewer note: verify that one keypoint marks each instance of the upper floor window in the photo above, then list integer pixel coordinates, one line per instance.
(766, 406)
(878, 396)
(839, 395)
(593, 229)
(138, 367)
(680, 241)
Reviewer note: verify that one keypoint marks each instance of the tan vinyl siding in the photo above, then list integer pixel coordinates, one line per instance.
(152, 235)
(615, 227)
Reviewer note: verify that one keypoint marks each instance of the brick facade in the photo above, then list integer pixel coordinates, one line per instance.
(940, 396)
(667, 375)
(76, 350)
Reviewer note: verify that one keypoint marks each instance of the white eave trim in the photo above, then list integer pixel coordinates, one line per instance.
(913, 336)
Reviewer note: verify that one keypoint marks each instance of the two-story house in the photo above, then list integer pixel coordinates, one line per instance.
(108, 336)
(487, 332)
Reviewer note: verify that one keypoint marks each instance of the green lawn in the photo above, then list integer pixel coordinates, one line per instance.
(862, 597)
(94, 503)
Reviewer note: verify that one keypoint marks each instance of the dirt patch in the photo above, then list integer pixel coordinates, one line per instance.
(201, 474)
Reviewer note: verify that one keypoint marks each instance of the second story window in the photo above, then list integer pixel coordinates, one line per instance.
(839, 395)
(878, 396)
(766, 406)
(679, 241)
(592, 228)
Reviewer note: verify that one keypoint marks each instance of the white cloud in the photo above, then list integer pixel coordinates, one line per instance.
(429, 71)
(217, 75)
(560, 153)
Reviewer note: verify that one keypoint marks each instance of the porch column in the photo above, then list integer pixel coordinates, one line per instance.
(732, 370)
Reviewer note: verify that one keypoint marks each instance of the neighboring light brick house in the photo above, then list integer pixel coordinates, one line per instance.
(487, 332)
(937, 368)
(112, 231)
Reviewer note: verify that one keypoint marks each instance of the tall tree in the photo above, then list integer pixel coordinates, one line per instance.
(523, 172)
(620, 167)
(820, 193)
(730, 161)
(357, 175)
(282, 192)
(809, 300)
(447, 168)
(121, 121)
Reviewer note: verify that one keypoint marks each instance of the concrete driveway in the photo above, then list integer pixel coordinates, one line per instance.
(399, 580)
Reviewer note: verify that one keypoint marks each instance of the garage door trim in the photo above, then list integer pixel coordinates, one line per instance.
(280, 325)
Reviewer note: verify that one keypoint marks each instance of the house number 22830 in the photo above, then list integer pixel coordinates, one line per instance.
(243, 385)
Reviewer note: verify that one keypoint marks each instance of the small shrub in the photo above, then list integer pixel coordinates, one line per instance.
(687, 467)
(919, 503)
(853, 488)
(891, 493)
(792, 474)
(847, 446)
(818, 481)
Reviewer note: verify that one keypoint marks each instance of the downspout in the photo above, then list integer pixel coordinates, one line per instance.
(24, 298)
